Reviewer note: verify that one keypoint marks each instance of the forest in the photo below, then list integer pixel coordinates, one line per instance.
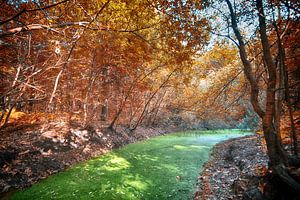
(83, 79)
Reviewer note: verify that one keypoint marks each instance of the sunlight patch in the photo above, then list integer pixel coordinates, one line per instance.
(140, 185)
(190, 147)
(116, 163)
(180, 147)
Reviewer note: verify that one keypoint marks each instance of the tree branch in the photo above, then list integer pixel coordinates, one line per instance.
(247, 64)
(31, 10)
(32, 27)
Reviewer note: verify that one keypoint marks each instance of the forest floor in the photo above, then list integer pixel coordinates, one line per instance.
(31, 152)
(238, 169)
(235, 171)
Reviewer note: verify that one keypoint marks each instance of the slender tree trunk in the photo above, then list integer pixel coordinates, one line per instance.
(276, 154)
(54, 89)
(104, 110)
(89, 87)
(289, 105)
(151, 97)
(156, 109)
(17, 75)
(293, 127)
(7, 116)
(105, 71)
(128, 93)
(3, 111)
(134, 114)
(59, 75)
(2, 115)
(284, 85)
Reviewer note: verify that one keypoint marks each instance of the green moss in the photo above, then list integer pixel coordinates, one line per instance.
(164, 167)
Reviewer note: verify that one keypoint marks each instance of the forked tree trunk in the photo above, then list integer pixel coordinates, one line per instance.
(277, 156)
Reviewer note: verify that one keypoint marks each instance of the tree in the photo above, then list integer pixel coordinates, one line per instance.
(278, 158)
(82, 58)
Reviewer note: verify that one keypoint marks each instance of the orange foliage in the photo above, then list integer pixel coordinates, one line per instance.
(30, 118)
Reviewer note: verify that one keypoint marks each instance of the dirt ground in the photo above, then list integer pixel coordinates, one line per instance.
(238, 170)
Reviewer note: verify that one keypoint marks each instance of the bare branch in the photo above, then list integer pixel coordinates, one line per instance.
(32, 27)
(31, 10)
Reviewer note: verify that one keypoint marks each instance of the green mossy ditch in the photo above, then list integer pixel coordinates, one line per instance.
(164, 167)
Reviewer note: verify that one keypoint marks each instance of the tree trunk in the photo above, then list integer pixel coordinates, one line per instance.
(104, 110)
(64, 67)
(247, 65)
(276, 154)
(285, 86)
(151, 97)
(7, 116)
(156, 109)
(128, 93)
(89, 87)
(105, 72)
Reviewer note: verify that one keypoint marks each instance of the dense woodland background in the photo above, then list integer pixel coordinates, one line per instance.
(190, 64)
(120, 63)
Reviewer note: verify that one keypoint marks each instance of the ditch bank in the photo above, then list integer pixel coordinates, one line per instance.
(31, 153)
(238, 169)
(235, 170)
